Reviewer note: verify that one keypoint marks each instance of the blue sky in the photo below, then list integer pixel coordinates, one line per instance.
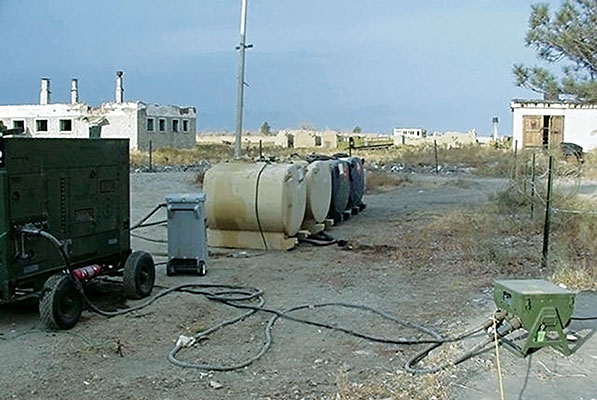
(443, 65)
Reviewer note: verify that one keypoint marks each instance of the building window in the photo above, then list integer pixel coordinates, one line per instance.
(185, 125)
(175, 123)
(66, 125)
(41, 125)
(19, 124)
(162, 124)
(149, 124)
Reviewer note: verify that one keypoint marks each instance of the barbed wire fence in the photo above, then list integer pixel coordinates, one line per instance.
(534, 176)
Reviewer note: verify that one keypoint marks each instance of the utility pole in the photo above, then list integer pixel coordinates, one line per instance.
(241, 79)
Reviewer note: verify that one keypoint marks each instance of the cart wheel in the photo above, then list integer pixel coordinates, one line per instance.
(61, 303)
(139, 275)
(169, 269)
(201, 268)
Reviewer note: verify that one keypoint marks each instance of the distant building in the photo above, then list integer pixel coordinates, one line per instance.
(402, 135)
(306, 139)
(163, 125)
(541, 123)
(410, 132)
(329, 139)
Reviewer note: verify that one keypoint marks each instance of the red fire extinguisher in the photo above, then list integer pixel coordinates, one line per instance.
(86, 273)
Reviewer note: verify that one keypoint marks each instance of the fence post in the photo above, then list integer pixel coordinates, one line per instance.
(435, 154)
(533, 188)
(547, 226)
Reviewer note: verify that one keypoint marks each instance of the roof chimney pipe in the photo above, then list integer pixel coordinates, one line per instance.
(119, 88)
(44, 93)
(74, 91)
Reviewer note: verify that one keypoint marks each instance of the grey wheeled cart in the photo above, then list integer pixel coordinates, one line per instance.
(187, 235)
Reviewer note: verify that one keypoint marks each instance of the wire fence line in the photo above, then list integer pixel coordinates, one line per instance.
(529, 181)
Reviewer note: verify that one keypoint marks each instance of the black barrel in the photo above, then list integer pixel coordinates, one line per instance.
(357, 182)
(340, 189)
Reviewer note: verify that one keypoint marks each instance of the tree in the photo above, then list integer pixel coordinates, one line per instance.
(569, 36)
(265, 129)
(357, 129)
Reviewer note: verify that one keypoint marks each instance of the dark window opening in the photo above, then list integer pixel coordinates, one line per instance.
(150, 124)
(162, 124)
(66, 125)
(545, 130)
(185, 125)
(20, 124)
(41, 125)
(175, 125)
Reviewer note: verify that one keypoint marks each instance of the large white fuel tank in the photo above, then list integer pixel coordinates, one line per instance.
(319, 190)
(255, 197)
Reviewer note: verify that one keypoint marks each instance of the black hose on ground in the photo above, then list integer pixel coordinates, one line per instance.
(155, 210)
(503, 329)
(322, 239)
(315, 241)
(148, 239)
(339, 242)
(239, 297)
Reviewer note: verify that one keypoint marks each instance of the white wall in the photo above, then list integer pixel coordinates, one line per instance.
(121, 121)
(53, 113)
(126, 120)
(580, 121)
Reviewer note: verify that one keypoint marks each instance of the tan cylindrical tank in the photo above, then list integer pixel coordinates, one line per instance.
(319, 190)
(255, 197)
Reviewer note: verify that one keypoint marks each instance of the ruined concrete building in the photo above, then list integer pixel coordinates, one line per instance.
(141, 123)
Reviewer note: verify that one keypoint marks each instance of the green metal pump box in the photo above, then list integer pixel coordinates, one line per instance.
(543, 309)
(75, 189)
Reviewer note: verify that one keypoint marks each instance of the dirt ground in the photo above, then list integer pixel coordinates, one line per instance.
(446, 293)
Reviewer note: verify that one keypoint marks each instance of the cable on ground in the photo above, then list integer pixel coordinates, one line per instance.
(240, 297)
(141, 222)
(148, 239)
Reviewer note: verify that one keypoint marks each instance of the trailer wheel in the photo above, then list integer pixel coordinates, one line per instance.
(139, 275)
(61, 303)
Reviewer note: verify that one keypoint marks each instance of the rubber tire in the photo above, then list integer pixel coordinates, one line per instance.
(169, 269)
(61, 304)
(201, 268)
(139, 275)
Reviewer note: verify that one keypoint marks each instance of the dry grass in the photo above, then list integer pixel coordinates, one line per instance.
(505, 241)
(381, 181)
(398, 386)
(481, 160)
(590, 165)
(402, 385)
(173, 156)
(580, 277)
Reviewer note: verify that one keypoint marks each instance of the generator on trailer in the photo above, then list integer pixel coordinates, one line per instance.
(64, 219)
